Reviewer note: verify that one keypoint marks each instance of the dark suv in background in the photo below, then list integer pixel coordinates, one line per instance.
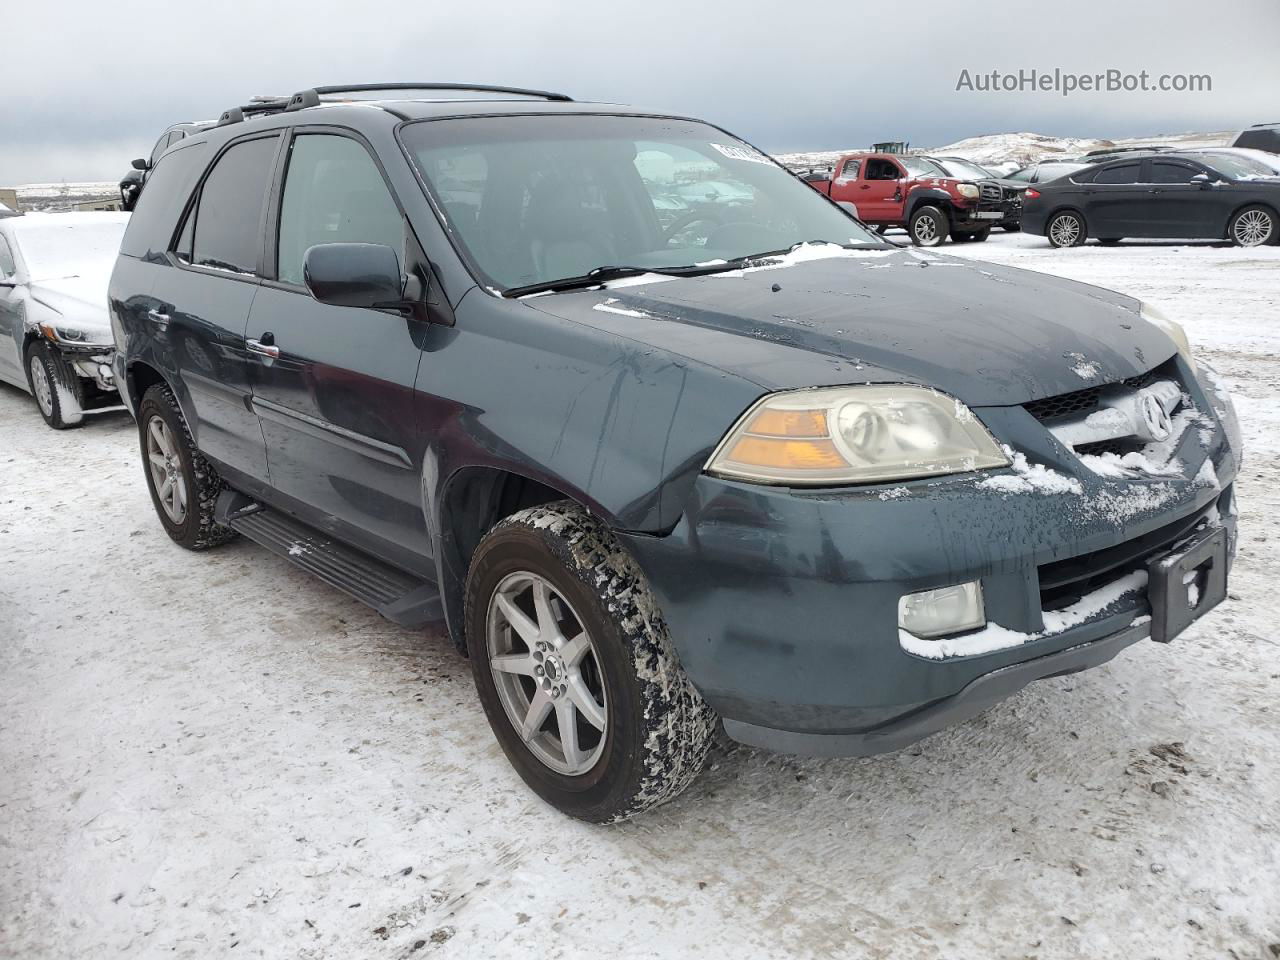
(750, 466)
(131, 183)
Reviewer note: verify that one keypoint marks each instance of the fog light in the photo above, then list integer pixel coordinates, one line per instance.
(935, 613)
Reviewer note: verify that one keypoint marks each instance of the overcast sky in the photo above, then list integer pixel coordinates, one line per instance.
(87, 86)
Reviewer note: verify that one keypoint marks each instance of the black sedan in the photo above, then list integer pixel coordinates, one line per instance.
(1185, 195)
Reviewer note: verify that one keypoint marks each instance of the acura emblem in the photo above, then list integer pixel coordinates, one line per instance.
(1154, 417)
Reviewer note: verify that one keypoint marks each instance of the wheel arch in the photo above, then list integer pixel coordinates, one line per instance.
(1066, 208)
(930, 198)
(466, 506)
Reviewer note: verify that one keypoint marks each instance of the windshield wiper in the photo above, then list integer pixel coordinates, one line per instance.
(602, 275)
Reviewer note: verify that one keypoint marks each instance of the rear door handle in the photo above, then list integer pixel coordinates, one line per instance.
(264, 348)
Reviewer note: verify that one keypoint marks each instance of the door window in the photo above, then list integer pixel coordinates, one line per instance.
(333, 193)
(1124, 173)
(880, 169)
(224, 231)
(1164, 171)
(159, 148)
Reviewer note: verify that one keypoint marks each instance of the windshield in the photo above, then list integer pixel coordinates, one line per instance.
(533, 199)
(920, 167)
(965, 170)
(71, 248)
(1235, 166)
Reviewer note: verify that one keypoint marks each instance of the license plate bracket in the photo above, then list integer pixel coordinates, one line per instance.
(1200, 566)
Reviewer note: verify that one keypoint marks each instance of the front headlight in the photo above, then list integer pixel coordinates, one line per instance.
(969, 190)
(1172, 328)
(863, 434)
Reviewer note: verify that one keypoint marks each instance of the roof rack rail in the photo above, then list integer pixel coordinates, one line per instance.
(311, 96)
(257, 106)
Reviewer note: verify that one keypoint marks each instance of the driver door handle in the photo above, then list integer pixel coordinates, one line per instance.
(266, 347)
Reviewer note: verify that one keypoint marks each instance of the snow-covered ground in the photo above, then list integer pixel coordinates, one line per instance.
(215, 755)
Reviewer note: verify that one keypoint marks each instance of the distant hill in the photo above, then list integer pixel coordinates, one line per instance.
(63, 196)
(1019, 149)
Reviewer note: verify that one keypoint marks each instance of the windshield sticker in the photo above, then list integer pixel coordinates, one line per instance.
(741, 153)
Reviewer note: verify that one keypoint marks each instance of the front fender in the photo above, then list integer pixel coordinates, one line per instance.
(928, 195)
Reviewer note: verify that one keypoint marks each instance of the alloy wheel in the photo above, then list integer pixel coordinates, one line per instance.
(547, 673)
(42, 386)
(1252, 228)
(926, 229)
(1065, 230)
(166, 470)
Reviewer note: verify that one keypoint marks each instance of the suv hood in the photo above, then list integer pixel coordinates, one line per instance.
(989, 335)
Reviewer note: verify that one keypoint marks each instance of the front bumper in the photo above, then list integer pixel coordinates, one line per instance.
(988, 213)
(783, 603)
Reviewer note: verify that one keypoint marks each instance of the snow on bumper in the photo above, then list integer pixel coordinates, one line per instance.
(783, 603)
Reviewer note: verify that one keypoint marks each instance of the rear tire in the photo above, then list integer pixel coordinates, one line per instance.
(929, 226)
(55, 386)
(1066, 229)
(592, 656)
(1253, 226)
(184, 486)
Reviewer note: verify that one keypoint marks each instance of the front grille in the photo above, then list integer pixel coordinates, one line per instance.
(1064, 404)
(991, 193)
(1086, 400)
(1119, 447)
(1063, 582)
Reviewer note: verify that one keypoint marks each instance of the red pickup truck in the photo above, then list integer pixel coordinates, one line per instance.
(890, 190)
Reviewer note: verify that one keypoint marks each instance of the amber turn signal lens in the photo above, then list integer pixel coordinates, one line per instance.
(789, 423)
(789, 454)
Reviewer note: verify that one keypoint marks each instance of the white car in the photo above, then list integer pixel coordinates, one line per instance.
(55, 337)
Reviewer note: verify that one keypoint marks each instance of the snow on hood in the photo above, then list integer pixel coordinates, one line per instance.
(989, 335)
(80, 302)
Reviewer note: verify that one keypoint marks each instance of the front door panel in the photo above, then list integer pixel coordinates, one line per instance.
(337, 412)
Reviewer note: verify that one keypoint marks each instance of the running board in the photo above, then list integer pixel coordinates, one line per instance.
(400, 597)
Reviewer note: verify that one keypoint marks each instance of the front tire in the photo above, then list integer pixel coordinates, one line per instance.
(1066, 229)
(184, 486)
(1253, 227)
(55, 387)
(576, 670)
(929, 227)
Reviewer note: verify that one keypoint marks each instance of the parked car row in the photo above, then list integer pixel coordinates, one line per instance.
(661, 455)
(1177, 194)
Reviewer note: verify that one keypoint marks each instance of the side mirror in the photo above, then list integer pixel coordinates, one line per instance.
(354, 275)
(1202, 181)
(140, 164)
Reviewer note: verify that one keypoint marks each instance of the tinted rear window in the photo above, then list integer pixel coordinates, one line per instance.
(228, 230)
(1124, 173)
(162, 201)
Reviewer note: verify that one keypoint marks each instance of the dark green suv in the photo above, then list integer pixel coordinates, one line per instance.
(658, 470)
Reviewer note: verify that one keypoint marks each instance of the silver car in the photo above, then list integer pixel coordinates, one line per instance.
(55, 337)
